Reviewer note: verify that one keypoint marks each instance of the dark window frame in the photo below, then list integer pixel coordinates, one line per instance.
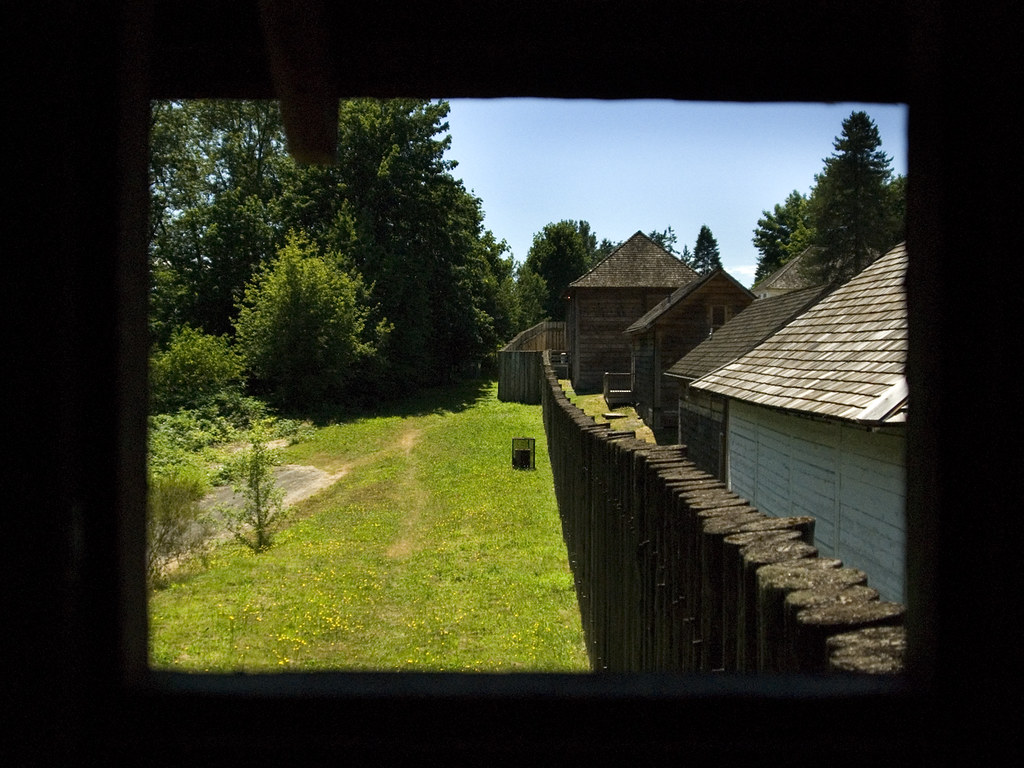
(85, 649)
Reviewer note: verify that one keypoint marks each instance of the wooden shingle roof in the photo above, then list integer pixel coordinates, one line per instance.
(679, 295)
(788, 277)
(637, 263)
(744, 332)
(842, 358)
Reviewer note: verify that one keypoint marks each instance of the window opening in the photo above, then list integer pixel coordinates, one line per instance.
(235, 221)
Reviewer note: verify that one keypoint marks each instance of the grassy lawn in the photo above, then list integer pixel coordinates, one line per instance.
(626, 420)
(430, 553)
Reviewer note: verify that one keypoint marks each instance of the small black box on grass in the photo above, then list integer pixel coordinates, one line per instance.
(522, 453)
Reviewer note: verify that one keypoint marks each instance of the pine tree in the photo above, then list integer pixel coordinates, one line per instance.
(851, 206)
(705, 253)
(666, 239)
(782, 234)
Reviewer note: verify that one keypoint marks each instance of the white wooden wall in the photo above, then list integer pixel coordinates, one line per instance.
(851, 480)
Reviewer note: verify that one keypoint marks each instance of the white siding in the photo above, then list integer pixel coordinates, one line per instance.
(851, 480)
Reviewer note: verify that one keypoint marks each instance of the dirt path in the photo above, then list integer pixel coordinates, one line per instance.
(408, 537)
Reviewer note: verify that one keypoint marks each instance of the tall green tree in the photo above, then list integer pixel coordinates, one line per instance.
(782, 234)
(531, 296)
(225, 193)
(560, 253)
(686, 256)
(852, 207)
(215, 175)
(415, 234)
(705, 252)
(302, 327)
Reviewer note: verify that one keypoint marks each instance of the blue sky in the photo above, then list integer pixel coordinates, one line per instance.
(644, 165)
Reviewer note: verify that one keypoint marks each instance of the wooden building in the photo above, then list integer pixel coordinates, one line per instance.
(816, 419)
(787, 278)
(700, 413)
(623, 286)
(672, 328)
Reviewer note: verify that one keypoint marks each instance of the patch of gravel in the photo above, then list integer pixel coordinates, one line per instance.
(299, 482)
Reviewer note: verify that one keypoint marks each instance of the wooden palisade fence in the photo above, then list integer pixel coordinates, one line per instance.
(674, 572)
(520, 373)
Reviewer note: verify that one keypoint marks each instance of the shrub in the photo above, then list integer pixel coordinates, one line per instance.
(183, 438)
(262, 511)
(193, 369)
(175, 525)
(301, 326)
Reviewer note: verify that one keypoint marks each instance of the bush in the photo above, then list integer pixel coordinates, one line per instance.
(184, 438)
(301, 326)
(193, 369)
(175, 525)
(263, 510)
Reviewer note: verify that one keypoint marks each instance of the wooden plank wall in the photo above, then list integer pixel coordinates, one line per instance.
(675, 573)
(852, 480)
(519, 362)
(602, 344)
(519, 376)
(701, 423)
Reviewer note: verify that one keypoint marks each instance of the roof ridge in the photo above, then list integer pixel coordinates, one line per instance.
(645, 321)
(830, 359)
(625, 265)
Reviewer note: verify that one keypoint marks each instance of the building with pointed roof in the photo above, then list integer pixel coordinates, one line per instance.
(606, 300)
(787, 278)
(815, 420)
(700, 413)
(670, 329)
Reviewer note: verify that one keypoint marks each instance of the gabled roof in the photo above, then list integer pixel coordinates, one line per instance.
(744, 332)
(842, 358)
(637, 263)
(788, 277)
(680, 295)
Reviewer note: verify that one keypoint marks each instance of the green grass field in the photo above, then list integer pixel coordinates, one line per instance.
(430, 553)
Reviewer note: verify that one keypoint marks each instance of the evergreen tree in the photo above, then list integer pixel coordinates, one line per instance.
(686, 256)
(666, 239)
(782, 234)
(705, 253)
(851, 207)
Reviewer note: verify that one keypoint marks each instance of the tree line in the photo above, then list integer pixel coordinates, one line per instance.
(375, 276)
(360, 280)
(854, 213)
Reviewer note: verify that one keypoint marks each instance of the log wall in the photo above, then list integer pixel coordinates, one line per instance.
(675, 573)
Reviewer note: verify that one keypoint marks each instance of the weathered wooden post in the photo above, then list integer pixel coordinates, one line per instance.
(873, 651)
(752, 558)
(815, 625)
(802, 600)
(713, 531)
(777, 581)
